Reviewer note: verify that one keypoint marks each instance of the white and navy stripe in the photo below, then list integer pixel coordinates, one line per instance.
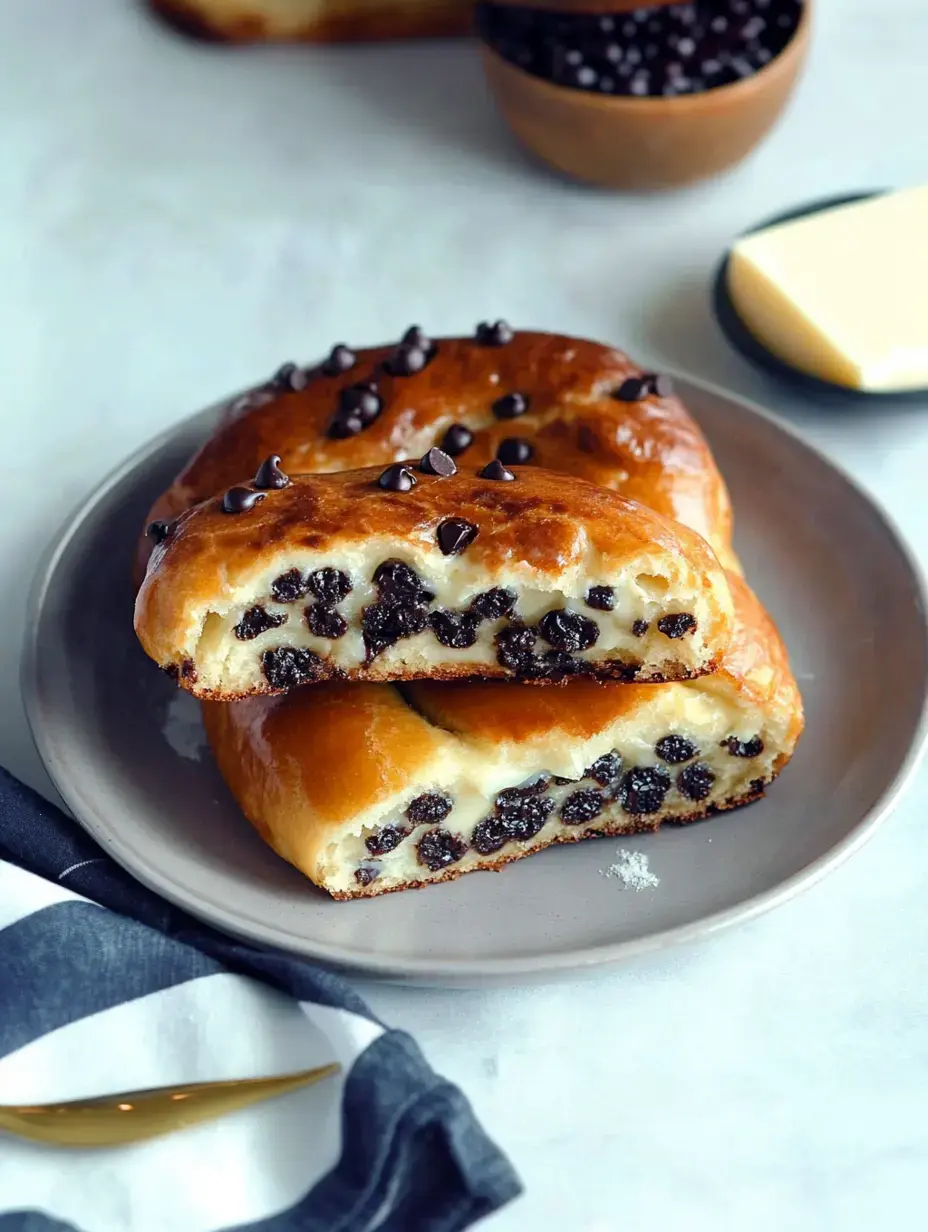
(93, 1001)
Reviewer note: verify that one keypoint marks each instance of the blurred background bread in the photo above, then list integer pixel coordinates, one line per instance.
(315, 21)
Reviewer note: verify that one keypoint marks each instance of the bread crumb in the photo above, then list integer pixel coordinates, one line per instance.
(632, 870)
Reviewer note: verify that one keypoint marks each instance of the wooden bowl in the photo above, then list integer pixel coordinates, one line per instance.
(646, 143)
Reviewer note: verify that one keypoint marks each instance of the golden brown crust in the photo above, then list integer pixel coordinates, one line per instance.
(315, 21)
(545, 524)
(650, 450)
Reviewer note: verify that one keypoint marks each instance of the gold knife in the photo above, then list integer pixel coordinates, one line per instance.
(133, 1116)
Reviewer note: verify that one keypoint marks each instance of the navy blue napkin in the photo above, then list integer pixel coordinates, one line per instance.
(413, 1155)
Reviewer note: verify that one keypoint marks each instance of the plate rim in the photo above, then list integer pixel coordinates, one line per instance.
(466, 971)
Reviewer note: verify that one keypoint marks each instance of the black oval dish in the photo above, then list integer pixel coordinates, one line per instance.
(757, 354)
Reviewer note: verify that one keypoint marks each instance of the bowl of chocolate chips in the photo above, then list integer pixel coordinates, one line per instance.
(643, 98)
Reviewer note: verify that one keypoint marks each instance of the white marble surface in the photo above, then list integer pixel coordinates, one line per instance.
(175, 220)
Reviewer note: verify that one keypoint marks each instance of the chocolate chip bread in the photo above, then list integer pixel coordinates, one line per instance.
(427, 570)
(370, 788)
(314, 21)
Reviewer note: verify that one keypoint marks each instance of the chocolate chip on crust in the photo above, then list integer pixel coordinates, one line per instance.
(511, 406)
(290, 378)
(241, 500)
(270, 477)
(437, 462)
(496, 470)
(340, 359)
(515, 451)
(397, 478)
(158, 532)
(257, 620)
(454, 535)
(497, 334)
(456, 439)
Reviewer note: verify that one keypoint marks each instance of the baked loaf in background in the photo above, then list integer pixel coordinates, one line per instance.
(425, 570)
(369, 788)
(315, 21)
(531, 398)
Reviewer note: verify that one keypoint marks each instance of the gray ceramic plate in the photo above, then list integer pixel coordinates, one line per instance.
(125, 750)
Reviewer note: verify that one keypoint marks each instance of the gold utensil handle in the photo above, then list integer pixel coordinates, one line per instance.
(133, 1116)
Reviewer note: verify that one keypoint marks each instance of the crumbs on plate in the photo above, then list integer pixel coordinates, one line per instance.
(632, 870)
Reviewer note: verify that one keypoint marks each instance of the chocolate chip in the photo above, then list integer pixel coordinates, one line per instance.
(255, 622)
(515, 647)
(695, 781)
(385, 623)
(455, 535)
(394, 579)
(431, 807)
(524, 818)
(290, 666)
(387, 838)
(437, 462)
(581, 806)
(397, 478)
(361, 400)
(602, 598)
(492, 604)
(643, 789)
(658, 384)
(366, 874)
(171, 670)
(456, 630)
(329, 586)
(240, 500)
(676, 750)
(438, 848)
(633, 389)
(341, 359)
(496, 470)
(324, 621)
(640, 628)
(568, 631)
(406, 360)
(289, 587)
(743, 748)
(489, 836)
(290, 379)
(457, 439)
(158, 532)
(188, 670)
(677, 625)
(344, 426)
(515, 451)
(556, 664)
(757, 786)
(605, 770)
(497, 334)
(270, 476)
(510, 406)
(417, 337)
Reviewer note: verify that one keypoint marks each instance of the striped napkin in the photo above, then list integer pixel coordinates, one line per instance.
(106, 987)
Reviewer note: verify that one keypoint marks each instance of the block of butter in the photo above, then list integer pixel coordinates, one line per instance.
(842, 294)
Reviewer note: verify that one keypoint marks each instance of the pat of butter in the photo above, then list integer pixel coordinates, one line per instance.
(842, 294)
